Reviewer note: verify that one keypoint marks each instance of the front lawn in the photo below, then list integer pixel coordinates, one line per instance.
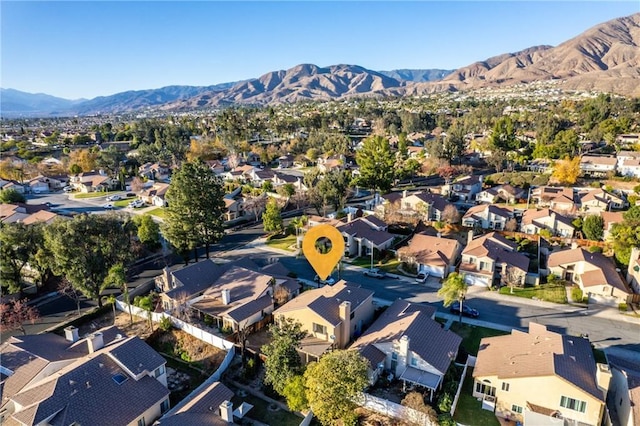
(158, 212)
(282, 242)
(365, 262)
(82, 195)
(555, 293)
(469, 410)
(124, 202)
(471, 335)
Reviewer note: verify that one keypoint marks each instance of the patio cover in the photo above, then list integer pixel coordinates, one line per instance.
(314, 346)
(422, 378)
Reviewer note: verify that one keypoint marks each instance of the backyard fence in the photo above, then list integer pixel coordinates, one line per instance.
(392, 409)
(307, 419)
(191, 329)
(462, 379)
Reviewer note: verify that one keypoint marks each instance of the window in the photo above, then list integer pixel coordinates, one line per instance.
(485, 389)
(394, 356)
(320, 329)
(573, 404)
(159, 371)
(141, 422)
(482, 266)
(164, 406)
(414, 361)
(505, 386)
(516, 409)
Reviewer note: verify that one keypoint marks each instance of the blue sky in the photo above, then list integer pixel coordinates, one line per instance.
(87, 49)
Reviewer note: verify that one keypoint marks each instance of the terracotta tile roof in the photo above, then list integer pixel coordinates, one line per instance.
(602, 271)
(427, 338)
(539, 353)
(41, 216)
(610, 218)
(325, 301)
(555, 194)
(430, 250)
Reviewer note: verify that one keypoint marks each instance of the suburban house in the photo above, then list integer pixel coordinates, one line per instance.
(596, 166)
(408, 342)
(598, 201)
(432, 255)
(234, 208)
(493, 260)
(465, 188)
(154, 171)
(38, 185)
(629, 163)
(610, 219)
(26, 213)
(155, 195)
(364, 234)
(210, 407)
(633, 271)
(594, 273)
(541, 378)
(259, 177)
(556, 198)
(285, 161)
(332, 316)
(92, 182)
(426, 205)
(236, 294)
(12, 184)
(216, 166)
(623, 398)
(54, 380)
(487, 216)
(326, 165)
(501, 194)
(535, 220)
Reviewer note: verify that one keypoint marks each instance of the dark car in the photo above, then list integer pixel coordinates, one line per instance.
(467, 311)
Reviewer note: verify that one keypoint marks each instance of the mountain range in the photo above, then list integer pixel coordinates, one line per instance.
(605, 58)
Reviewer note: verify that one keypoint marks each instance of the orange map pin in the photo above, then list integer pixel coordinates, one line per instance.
(323, 263)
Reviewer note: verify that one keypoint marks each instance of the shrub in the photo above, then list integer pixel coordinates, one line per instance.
(446, 420)
(444, 403)
(576, 294)
(208, 320)
(165, 324)
(185, 356)
(622, 307)
(595, 249)
(552, 279)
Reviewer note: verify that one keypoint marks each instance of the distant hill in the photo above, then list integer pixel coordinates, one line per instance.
(604, 58)
(417, 76)
(15, 103)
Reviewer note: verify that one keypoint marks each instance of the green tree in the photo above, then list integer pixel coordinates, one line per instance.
(85, 248)
(626, 235)
(295, 393)
(332, 383)
(454, 288)
(117, 278)
(376, 163)
(271, 218)
(593, 227)
(503, 136)
(111, 300)
(11, 196)
(282, 359)
(148, 231)
(18, 245)
(195, 214)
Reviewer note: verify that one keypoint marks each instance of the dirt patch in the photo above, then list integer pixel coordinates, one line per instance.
(370, 418)
(139, 327)
(181, 345)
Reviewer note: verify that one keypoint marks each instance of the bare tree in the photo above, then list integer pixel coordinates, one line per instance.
(181, 308)
(136, 184)
(233, 160)
(451, 214)
(255, 205)
(16, 314)
(512, 277)
(67, 289)
(511, 225)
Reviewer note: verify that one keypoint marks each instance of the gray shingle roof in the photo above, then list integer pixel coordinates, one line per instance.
(195, 278)
(203, 409)
(248, 309)
(137, 356)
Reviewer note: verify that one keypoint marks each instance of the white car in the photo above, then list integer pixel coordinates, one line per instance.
(68, 189)
(108, 206)
(114, 197)
(136, 204)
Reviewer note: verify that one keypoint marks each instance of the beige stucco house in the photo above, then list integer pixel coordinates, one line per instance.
(594, 273)
(541, 378)
(556, 198)
(331, 315)
(535, 220)
(487, 216)
(432, 255)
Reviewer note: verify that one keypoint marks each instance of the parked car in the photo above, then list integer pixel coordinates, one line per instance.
(68, 189)
(108, 206)
(115, 197)
(422, 278)
(328, 281)
(374, 272)
(467, 311)
(136, 204)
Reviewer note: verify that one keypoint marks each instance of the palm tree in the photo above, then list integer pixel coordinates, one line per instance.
(454, 288)
(117, 278)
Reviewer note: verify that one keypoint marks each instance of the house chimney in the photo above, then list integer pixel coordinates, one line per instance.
(168, 282)
(469, 236)
(226, 411)
(95, 342)
(349, 217)
(574, 245)
(603, 377)
(71, 334)
(404, 194)
(404, 348)
(344, 312)
(226, 296)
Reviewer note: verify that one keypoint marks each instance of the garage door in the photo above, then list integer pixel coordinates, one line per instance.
(476, 280)
(433, 271)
